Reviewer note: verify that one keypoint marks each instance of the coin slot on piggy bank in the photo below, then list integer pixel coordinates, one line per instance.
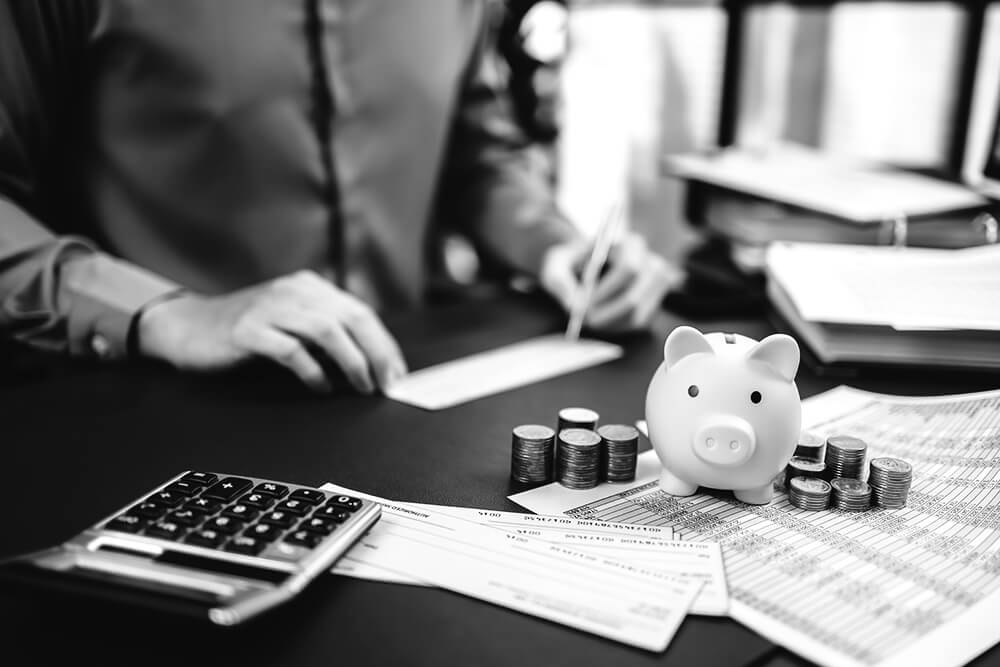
(723, 412)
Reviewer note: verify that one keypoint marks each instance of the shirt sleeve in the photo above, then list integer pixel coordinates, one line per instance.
(57, 292)
(494, 184)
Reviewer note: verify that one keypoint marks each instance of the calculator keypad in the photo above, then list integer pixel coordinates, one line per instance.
(234, 514)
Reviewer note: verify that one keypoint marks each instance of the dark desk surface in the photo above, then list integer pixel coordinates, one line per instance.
(79, 441)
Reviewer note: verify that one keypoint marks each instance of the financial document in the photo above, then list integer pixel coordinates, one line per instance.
(630, 603)
(905, 288)
(914, 586)
(504, 368)
(649, 546)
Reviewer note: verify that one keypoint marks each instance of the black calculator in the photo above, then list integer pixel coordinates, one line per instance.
(225, 547)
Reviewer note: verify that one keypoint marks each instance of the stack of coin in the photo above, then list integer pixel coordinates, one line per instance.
(577, 418)
(531, 453)
(845, 457)
(800, 466)
(850, 494)
(809, 493)
(810, 446)
(578, 465)
(619, 447)
(890, 481)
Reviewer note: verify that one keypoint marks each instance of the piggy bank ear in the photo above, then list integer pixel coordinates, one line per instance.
(683, 342)
(780, 352)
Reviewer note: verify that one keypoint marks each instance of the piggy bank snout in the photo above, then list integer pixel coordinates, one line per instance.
(724, 440)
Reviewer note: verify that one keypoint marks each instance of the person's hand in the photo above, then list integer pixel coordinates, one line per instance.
(628, 293)
(281, 320)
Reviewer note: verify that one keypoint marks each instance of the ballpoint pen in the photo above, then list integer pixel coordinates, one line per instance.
(606, 236)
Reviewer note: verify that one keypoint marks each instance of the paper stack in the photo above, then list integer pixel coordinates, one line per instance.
(890, 305)
(632, 584)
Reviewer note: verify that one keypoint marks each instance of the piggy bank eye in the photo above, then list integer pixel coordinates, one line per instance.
(693, 390)
(755, 397)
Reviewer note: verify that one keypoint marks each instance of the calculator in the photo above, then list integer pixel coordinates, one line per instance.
(222, 547)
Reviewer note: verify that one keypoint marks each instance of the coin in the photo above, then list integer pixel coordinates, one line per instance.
(800, 466)
(850, 494)
(531, 454)
(577, 418)
(619, 449)
(890, 479)
(845, 457)
(578, 463)
(810, 446)
(809, 493)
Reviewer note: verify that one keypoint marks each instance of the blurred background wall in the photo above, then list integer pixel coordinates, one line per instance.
(638, 79)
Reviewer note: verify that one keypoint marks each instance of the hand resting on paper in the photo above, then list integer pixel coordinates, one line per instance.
(299, 321)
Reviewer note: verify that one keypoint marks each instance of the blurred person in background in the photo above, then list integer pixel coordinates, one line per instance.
(208, 182)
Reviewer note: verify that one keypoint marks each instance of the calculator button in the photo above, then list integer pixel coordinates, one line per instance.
(305, 538)
(295, 506)
(184, 488)
(149, 510)
(309, 495)
(186, 517)
(206, 538)
(331, 513)
(242, 512)
(263, 531)
(206, 505)
(271, 489)
(224, 524)
(258, 500)
(279, 518)
(166, 529)
(345, 502)
(285, 551)
(168, 498)
(318, 525)
(126, 523)
(242, 544)
(228, 488)
(200, 478)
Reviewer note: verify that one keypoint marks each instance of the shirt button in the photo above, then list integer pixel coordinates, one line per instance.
(100, 345)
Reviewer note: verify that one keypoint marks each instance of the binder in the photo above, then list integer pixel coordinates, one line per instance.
(789, 192)
(851, 305)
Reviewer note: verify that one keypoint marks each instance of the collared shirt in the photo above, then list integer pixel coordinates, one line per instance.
(150, 144)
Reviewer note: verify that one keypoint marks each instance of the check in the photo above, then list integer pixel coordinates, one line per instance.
(650, 546)
(478, 375)
(628, 603)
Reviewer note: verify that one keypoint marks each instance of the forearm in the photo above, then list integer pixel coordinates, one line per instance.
(61, 294)
(510, 211)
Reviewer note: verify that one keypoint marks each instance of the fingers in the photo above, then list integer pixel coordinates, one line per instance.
(559, 272)
(377, 344)
(351, 333)
(328, 335)
(640, 283)
(625, 310)
(287, 351)
(625, 263)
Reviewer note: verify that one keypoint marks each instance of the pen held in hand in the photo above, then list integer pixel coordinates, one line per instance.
(606, 237)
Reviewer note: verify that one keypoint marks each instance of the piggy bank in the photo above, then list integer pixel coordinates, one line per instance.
(723, 412)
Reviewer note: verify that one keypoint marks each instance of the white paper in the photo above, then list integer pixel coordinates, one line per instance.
(905, 288)
(467, 379)
(628, 603)
(914, 586)
(647, 546)
(557, 529)
(851, 189)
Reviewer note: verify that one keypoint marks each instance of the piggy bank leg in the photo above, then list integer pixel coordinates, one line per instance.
(675, 486)
(760, 495)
